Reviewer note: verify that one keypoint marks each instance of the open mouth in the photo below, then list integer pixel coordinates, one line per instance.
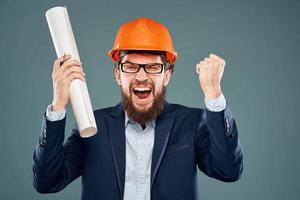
(142, 92)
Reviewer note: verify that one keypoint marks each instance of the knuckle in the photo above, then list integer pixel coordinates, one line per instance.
(216, 63)
(77, 69)
(75, 61)
(74, 75)
(208, 65)
(70, 76)
(67, 63)
(67, 71)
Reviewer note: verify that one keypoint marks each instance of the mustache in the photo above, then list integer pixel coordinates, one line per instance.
(145, 116)
(145, 83)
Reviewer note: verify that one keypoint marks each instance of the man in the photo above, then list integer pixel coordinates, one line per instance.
(145, 148)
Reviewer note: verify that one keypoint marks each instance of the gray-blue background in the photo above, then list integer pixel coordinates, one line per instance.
(258, 39)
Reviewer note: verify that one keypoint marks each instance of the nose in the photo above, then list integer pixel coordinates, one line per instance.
(141, 75)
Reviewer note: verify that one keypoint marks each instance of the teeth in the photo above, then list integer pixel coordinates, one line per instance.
(142, 89)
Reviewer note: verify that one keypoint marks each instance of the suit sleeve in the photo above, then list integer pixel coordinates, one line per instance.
(55, 164)
(218, 151)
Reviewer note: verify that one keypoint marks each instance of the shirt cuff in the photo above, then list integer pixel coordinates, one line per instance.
(216, 105)
(54, 115)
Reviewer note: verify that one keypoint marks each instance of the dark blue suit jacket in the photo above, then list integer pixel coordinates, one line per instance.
(184, 139)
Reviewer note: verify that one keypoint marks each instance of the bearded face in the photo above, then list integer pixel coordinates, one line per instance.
(146, 114)
(143, 94)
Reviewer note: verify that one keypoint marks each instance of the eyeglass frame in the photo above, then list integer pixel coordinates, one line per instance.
(142, 66)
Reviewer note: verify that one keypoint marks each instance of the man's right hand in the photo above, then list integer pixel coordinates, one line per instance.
(65, 70)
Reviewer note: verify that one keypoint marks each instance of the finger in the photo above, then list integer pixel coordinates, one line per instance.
(214, 56)
(209, 60)
(201, 63)
(60, 60)
(198, 66)
(57, 62)
(217, 58)
(70, 63)
(65, 57)
(73, 69)
(213, 62)
(74, 76)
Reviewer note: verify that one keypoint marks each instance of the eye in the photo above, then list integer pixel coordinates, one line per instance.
(130, 67)
(154, 67)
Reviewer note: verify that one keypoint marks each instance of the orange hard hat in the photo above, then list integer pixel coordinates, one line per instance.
(143, 34)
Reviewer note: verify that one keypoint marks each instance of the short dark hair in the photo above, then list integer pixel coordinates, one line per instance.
(162, 54)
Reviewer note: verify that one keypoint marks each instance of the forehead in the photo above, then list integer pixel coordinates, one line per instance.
(142, 58)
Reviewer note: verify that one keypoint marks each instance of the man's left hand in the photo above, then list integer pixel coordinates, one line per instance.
(210, 71)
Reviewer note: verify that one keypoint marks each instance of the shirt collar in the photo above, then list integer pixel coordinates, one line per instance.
(128, 120)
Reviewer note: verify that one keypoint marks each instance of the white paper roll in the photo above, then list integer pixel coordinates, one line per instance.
(64, 42)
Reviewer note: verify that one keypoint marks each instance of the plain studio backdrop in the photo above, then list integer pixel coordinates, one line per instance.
(260, 41)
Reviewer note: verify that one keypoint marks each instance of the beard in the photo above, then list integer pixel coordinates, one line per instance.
(144, 116)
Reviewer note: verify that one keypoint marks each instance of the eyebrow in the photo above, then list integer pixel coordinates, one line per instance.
(128, 61)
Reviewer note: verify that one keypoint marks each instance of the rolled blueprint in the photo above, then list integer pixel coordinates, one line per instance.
(64, 43)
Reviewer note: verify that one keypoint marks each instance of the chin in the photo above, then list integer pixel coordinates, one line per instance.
(142, 107)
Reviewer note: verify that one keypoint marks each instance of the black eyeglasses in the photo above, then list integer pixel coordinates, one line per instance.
(150, 68)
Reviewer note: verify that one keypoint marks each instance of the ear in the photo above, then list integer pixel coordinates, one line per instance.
(167, 76)
(117, 76)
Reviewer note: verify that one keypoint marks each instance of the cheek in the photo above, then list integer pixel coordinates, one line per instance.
(158, 84)
(125, 83)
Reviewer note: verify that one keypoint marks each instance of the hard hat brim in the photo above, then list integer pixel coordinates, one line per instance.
(170, 56)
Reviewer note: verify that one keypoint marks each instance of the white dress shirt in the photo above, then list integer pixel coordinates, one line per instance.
(139, 146)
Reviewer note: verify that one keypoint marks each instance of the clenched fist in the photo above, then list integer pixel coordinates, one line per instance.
(65, 70)
(210, 72)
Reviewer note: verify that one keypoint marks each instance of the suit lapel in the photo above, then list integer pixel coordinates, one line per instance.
(163, 128)
(116, 132)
